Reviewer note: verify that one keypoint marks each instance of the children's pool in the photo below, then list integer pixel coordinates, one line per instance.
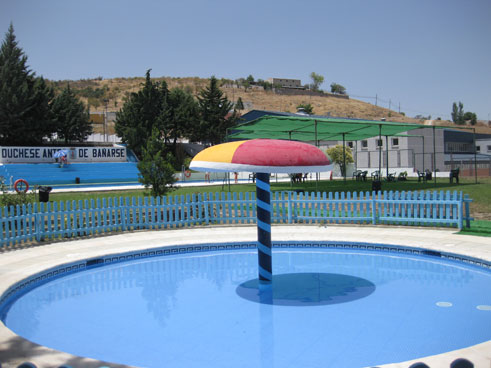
(326, 308)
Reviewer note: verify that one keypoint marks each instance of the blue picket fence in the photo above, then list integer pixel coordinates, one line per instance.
(57, 220)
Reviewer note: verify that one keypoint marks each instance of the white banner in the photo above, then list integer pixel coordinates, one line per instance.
(34, 155)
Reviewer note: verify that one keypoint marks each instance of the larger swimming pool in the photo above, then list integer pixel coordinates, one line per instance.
(326, 308)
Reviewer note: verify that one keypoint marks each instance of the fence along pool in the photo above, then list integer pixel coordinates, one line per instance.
(56, 220)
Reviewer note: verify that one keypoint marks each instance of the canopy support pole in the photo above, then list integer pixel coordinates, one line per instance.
(356, 155)
(475, 154)
(263, 203)
(315, 127)
(434, 154)
(379, 151)
(387, 156)
(317, 175)
(423, 153)
(344, 158)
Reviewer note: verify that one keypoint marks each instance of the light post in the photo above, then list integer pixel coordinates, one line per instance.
(105, 119)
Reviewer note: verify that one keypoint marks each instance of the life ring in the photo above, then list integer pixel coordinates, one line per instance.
(187, 173)
(21, 181)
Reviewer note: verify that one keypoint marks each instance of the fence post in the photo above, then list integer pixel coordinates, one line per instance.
(374, 208)
(122, 213)
(289, 209)
(461, 215)
(467, 211)
(205, 204)
(38, 221)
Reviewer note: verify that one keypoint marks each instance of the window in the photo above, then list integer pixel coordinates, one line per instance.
(380, 143)
(489, 148)
(460, 147)
(395, 142)
(350, 144)
(478, 148)
(364, 144)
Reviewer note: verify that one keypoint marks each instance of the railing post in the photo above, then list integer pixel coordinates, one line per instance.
(122, 212)
(467, 211)
(205, 204)
(289, 210)
(38, 222)
(374, 208)
(461, 215)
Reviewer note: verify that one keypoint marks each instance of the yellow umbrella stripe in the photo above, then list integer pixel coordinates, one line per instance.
(219, 153)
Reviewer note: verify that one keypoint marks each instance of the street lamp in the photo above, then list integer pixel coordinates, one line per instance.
(105, 119)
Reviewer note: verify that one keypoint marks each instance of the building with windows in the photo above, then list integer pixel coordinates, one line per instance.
(286, 83)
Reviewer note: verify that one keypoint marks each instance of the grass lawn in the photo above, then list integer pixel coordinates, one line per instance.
(478, 227)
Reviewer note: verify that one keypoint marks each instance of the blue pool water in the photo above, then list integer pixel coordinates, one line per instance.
(326, 308)
(88, 173)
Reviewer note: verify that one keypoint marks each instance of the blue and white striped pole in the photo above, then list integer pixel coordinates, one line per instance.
(263, 195)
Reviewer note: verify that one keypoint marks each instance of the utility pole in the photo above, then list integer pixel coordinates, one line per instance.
(105, 119)
(376, 99)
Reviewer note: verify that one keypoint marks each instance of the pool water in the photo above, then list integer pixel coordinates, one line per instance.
(88, 173)
(326, 308)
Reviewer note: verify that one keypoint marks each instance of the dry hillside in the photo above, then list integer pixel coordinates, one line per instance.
(116, 90)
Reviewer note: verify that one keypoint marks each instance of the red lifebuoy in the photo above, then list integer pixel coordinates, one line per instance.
(187, 173)
(21, 181)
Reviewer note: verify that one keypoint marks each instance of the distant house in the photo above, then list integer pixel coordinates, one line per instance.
(483, 145)
(286, 83)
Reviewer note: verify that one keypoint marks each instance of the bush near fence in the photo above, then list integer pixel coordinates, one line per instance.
(57, 220)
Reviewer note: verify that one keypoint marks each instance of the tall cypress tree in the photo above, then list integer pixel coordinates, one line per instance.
(216, 113)
(458, 113)
(72, 119)
(25, 116)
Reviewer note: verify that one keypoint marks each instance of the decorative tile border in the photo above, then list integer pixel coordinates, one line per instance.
(33, 281)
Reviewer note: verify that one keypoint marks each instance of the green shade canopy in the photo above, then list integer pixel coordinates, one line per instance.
(315, 129)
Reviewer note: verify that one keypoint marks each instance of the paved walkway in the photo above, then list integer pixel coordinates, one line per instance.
(16, 265)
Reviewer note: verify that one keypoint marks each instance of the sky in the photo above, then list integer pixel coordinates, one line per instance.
(417, 55)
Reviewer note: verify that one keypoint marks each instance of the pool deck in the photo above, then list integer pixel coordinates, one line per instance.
(16, 265)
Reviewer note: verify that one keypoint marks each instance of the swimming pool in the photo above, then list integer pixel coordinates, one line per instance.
(197, 308)
(102, 173)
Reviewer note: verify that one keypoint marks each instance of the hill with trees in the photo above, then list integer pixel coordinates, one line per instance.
(99, 93)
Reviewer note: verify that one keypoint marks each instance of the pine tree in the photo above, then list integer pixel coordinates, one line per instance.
(239, 105)
(179, 118)
(140, 114)
(25, 117)
(156, 172)
(216, 114)
(72, 119)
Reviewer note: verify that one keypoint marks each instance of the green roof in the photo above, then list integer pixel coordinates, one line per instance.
(311, 129)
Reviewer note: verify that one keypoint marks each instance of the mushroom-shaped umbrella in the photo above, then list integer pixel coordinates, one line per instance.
(263, 157)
